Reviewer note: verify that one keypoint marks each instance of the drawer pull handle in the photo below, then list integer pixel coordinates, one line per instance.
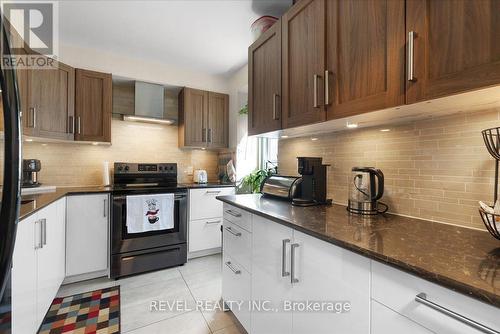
(212, 222)
(284, 273)
(235, 271)
(422, 299)
(213, 191)
(234, 214)
(230, 230)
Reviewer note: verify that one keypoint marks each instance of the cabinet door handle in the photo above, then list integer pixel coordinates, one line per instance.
(422, 299)
(32, 118)
(39, 243)
(71, 124)
(411, 46)
(327, 87)
(284, 273)
(275, 112)
(230, 266)
(234, 214)
(230, 230)
(44, 232)
(315, 88)
(79, 125)
(203, 135)
(293, 279)
(105, 214)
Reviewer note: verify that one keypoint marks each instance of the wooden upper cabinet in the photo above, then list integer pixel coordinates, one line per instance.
(193, 106)
(203, 119)
(93, 106)
(218, 120)
(365, 62)
(264, 82)
(456, 46)
(51, 102)
(303, 63)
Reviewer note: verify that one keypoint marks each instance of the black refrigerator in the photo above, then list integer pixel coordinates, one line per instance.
(11, 180)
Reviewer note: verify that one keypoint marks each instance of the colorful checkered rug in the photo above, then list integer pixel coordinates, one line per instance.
(86, 313)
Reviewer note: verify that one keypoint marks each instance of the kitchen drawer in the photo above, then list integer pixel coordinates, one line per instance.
(238, 244)
(203, 203)
(236, 286)
(397, 290)
(204, 234)
(238, 216)
(385, 320)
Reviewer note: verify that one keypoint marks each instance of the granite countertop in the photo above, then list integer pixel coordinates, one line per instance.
(461, 259)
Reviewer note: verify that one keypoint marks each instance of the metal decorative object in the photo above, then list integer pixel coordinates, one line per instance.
(491, 139)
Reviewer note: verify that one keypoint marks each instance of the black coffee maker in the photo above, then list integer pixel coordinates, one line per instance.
(31, 167)
(313, 182)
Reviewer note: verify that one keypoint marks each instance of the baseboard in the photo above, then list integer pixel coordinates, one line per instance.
(84, 277)
(204, 252)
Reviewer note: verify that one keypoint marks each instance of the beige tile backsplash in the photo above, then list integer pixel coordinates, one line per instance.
(434, 169)
(78, 164)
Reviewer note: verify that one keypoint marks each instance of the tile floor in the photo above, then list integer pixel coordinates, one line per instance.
(199, 279)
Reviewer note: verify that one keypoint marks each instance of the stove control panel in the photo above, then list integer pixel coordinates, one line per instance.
(144, 168)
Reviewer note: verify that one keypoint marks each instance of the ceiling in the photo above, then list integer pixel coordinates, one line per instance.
(211, 36)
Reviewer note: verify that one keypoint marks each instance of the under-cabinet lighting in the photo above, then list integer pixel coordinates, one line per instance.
(28, 140)
(95, 143)
(284, 136)
(351, 125)
(385, 130)
(147, 120)
(314, 139)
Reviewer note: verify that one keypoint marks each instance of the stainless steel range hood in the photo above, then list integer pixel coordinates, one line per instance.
(149, 104)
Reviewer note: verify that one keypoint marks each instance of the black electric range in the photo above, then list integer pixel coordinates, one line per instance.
(134, 253)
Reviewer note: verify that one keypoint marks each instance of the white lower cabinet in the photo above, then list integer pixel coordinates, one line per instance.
(300, 284)
(24, 273)
(314, 285)
(51, 257)
(205, 220)
(236, 292)
(327, 273)
(87, 238)
(386, 321)
(398, 291)
(38, 266)
(270, 276)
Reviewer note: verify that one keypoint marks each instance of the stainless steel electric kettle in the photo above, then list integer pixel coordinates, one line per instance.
(365, 189)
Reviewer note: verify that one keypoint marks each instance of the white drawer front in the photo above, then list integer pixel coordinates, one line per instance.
(386, 321)
(203, 203)
(236, 285)
(397, 290)
(238, 216)
(238, 244)
(204, 234)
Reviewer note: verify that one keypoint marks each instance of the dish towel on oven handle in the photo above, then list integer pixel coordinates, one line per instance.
(147, 213)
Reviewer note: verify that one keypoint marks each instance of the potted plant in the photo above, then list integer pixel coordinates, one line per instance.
(250, 184)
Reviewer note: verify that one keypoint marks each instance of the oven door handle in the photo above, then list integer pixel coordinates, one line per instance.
(177, 197)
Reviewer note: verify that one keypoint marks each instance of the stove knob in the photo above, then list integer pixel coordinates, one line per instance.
(126, 168)
(161, 168)
(120, 168)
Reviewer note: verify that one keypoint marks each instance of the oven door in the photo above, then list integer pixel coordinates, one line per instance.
(122, 241)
